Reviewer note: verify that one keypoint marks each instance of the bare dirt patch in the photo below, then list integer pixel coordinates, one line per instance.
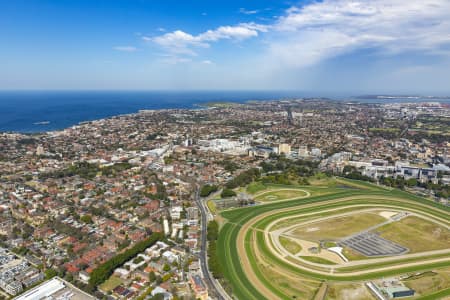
(348, 292)
(387, 214)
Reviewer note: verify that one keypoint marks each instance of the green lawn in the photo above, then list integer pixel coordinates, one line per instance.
(351, 254)
(111, 283)
(281, 194)
(256, 187)
(318, 260)
(290, 245)
(211, 206)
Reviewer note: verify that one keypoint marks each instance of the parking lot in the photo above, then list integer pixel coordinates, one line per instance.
(371, 244)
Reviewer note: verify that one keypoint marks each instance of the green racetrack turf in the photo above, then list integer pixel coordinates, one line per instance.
(227, 246)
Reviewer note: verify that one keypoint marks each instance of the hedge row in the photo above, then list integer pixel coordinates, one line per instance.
(213, 261)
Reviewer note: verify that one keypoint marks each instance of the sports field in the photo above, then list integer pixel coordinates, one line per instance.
(248, 250)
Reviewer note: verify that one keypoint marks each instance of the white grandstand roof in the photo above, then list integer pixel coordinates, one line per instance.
(43, 291)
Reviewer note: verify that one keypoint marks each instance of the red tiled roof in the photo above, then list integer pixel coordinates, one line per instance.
(71, 268)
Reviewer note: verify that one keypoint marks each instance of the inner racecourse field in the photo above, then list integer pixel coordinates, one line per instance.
(284, 249)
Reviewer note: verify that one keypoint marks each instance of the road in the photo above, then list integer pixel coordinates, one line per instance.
(215, 290)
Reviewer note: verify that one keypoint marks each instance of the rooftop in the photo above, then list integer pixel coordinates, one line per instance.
(56, 288)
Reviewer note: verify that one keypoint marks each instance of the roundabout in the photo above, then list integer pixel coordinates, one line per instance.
(289, 249)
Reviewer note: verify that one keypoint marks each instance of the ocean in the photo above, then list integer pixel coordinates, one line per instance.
(34, 111)
(30, 112)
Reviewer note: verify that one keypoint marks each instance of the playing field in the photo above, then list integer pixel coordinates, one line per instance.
(258, 267)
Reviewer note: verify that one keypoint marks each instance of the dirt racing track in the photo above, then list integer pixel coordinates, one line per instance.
(249, 243)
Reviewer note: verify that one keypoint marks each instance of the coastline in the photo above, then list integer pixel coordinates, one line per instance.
(40, 112)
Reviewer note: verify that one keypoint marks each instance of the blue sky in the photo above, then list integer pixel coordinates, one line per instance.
(365, 46)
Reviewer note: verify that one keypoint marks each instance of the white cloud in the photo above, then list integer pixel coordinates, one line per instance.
(182, 43)
(248, 12)
(125, 48)
(174, 59)
(178, 42)
(207, 62)
(326, 29)
(308, 34)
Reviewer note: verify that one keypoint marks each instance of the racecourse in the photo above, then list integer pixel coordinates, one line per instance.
(246, 246)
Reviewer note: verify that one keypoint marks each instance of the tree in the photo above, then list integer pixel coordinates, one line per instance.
(151, 276)
(244, 178)
(50, 273)
(411, 182)
(226, 193)
(158, 297)
(166, 268)
(207, 190)
(229, 166)
(213, 261)
(138, 260)
(212, 231)
(86, 219)
(166, 277)
(69, 277)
